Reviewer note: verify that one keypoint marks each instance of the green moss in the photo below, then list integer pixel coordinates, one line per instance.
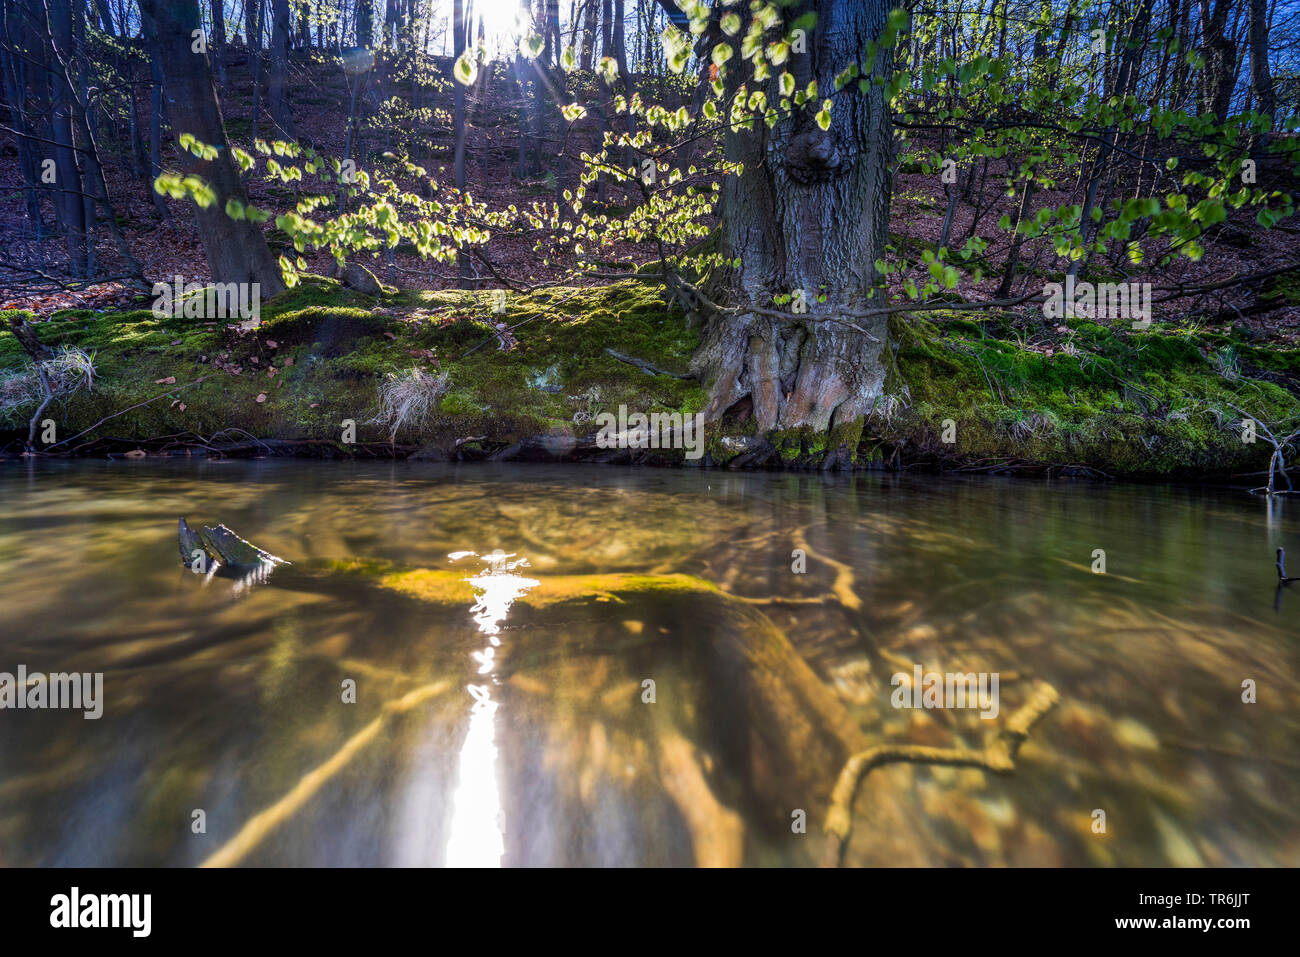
(343, 345)
(1125, 402)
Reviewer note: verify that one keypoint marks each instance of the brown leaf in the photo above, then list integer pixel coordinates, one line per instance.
(170, 380)
(182, 406)
(261, 397)
(288, 361)
(271, 343)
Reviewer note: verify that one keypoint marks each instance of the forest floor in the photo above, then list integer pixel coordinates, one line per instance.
(1024, 393)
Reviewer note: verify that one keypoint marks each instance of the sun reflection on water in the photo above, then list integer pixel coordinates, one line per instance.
(477, 822)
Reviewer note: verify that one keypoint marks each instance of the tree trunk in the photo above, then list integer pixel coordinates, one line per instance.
(155, 130)
(14, 68)
(588, 34)
(255, 60)
(235, 248)
(105, 17)
(810, 212)
(68, 190)
(279, 92)
(365, 23)
(459, 27)
(1220, 59)
(219, 39)
(1261, 79)
(625, 77)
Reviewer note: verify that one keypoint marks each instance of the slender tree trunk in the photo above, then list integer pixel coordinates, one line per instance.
(105, 17)
(236, 249)
(155, 130)
(459, 27)
(810, 212)
(13, 68)
(73, 72)
(1125, 82)
(365, 23)
(255, 59)
(606, 96)
(68, 187)
(218, 43)
(279, 92)
(1220, 58)
(620, 55)
(1261, 79)
(588, 34)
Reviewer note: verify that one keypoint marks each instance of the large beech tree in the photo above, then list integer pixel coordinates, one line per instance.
(235, 248)
(807, 218)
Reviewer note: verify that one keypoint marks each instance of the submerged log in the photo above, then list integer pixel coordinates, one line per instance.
(220, 546)
(778, 724)
(747, 698)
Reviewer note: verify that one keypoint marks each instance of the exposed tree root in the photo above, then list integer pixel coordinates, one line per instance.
(258, 827)
(717, 832)
(998, 755)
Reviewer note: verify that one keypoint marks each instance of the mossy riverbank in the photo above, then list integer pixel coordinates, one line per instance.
(989, 393)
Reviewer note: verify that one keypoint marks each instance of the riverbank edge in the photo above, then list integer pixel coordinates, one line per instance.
(527, 379)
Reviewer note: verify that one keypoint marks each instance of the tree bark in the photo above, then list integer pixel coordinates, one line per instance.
(218, 43)
(281, 115)
(365, 23)
(1261, 79)
(68, 189)
(14, 69)
(236, 249)
(459, 27)
(810, 212)
(588, 34)
(155, 130)
(1220, 55)
(105, 17)
(254, 17)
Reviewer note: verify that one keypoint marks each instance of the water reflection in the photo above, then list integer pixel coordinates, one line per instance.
(522, 736)
(478, 822)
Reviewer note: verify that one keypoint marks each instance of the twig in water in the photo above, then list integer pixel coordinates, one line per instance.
(998, 755)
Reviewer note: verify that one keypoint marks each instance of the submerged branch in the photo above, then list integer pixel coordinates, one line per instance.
(998, 755)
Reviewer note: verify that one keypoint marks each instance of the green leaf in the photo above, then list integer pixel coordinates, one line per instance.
(466, 69)
(824, 115)
(532, 45)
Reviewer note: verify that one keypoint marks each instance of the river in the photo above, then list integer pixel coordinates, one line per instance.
(535, 665)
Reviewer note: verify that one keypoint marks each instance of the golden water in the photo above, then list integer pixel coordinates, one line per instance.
(492, 732)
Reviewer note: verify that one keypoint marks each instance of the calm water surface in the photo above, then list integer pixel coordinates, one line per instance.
(502, 627)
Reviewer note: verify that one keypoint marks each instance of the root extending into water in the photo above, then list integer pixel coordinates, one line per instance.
(258, 827)
(843, 590)
(998, 755)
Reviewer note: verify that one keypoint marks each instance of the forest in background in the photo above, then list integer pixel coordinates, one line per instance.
(809, 182)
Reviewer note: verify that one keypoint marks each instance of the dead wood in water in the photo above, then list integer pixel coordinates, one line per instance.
(997, 755)
(757, 707)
